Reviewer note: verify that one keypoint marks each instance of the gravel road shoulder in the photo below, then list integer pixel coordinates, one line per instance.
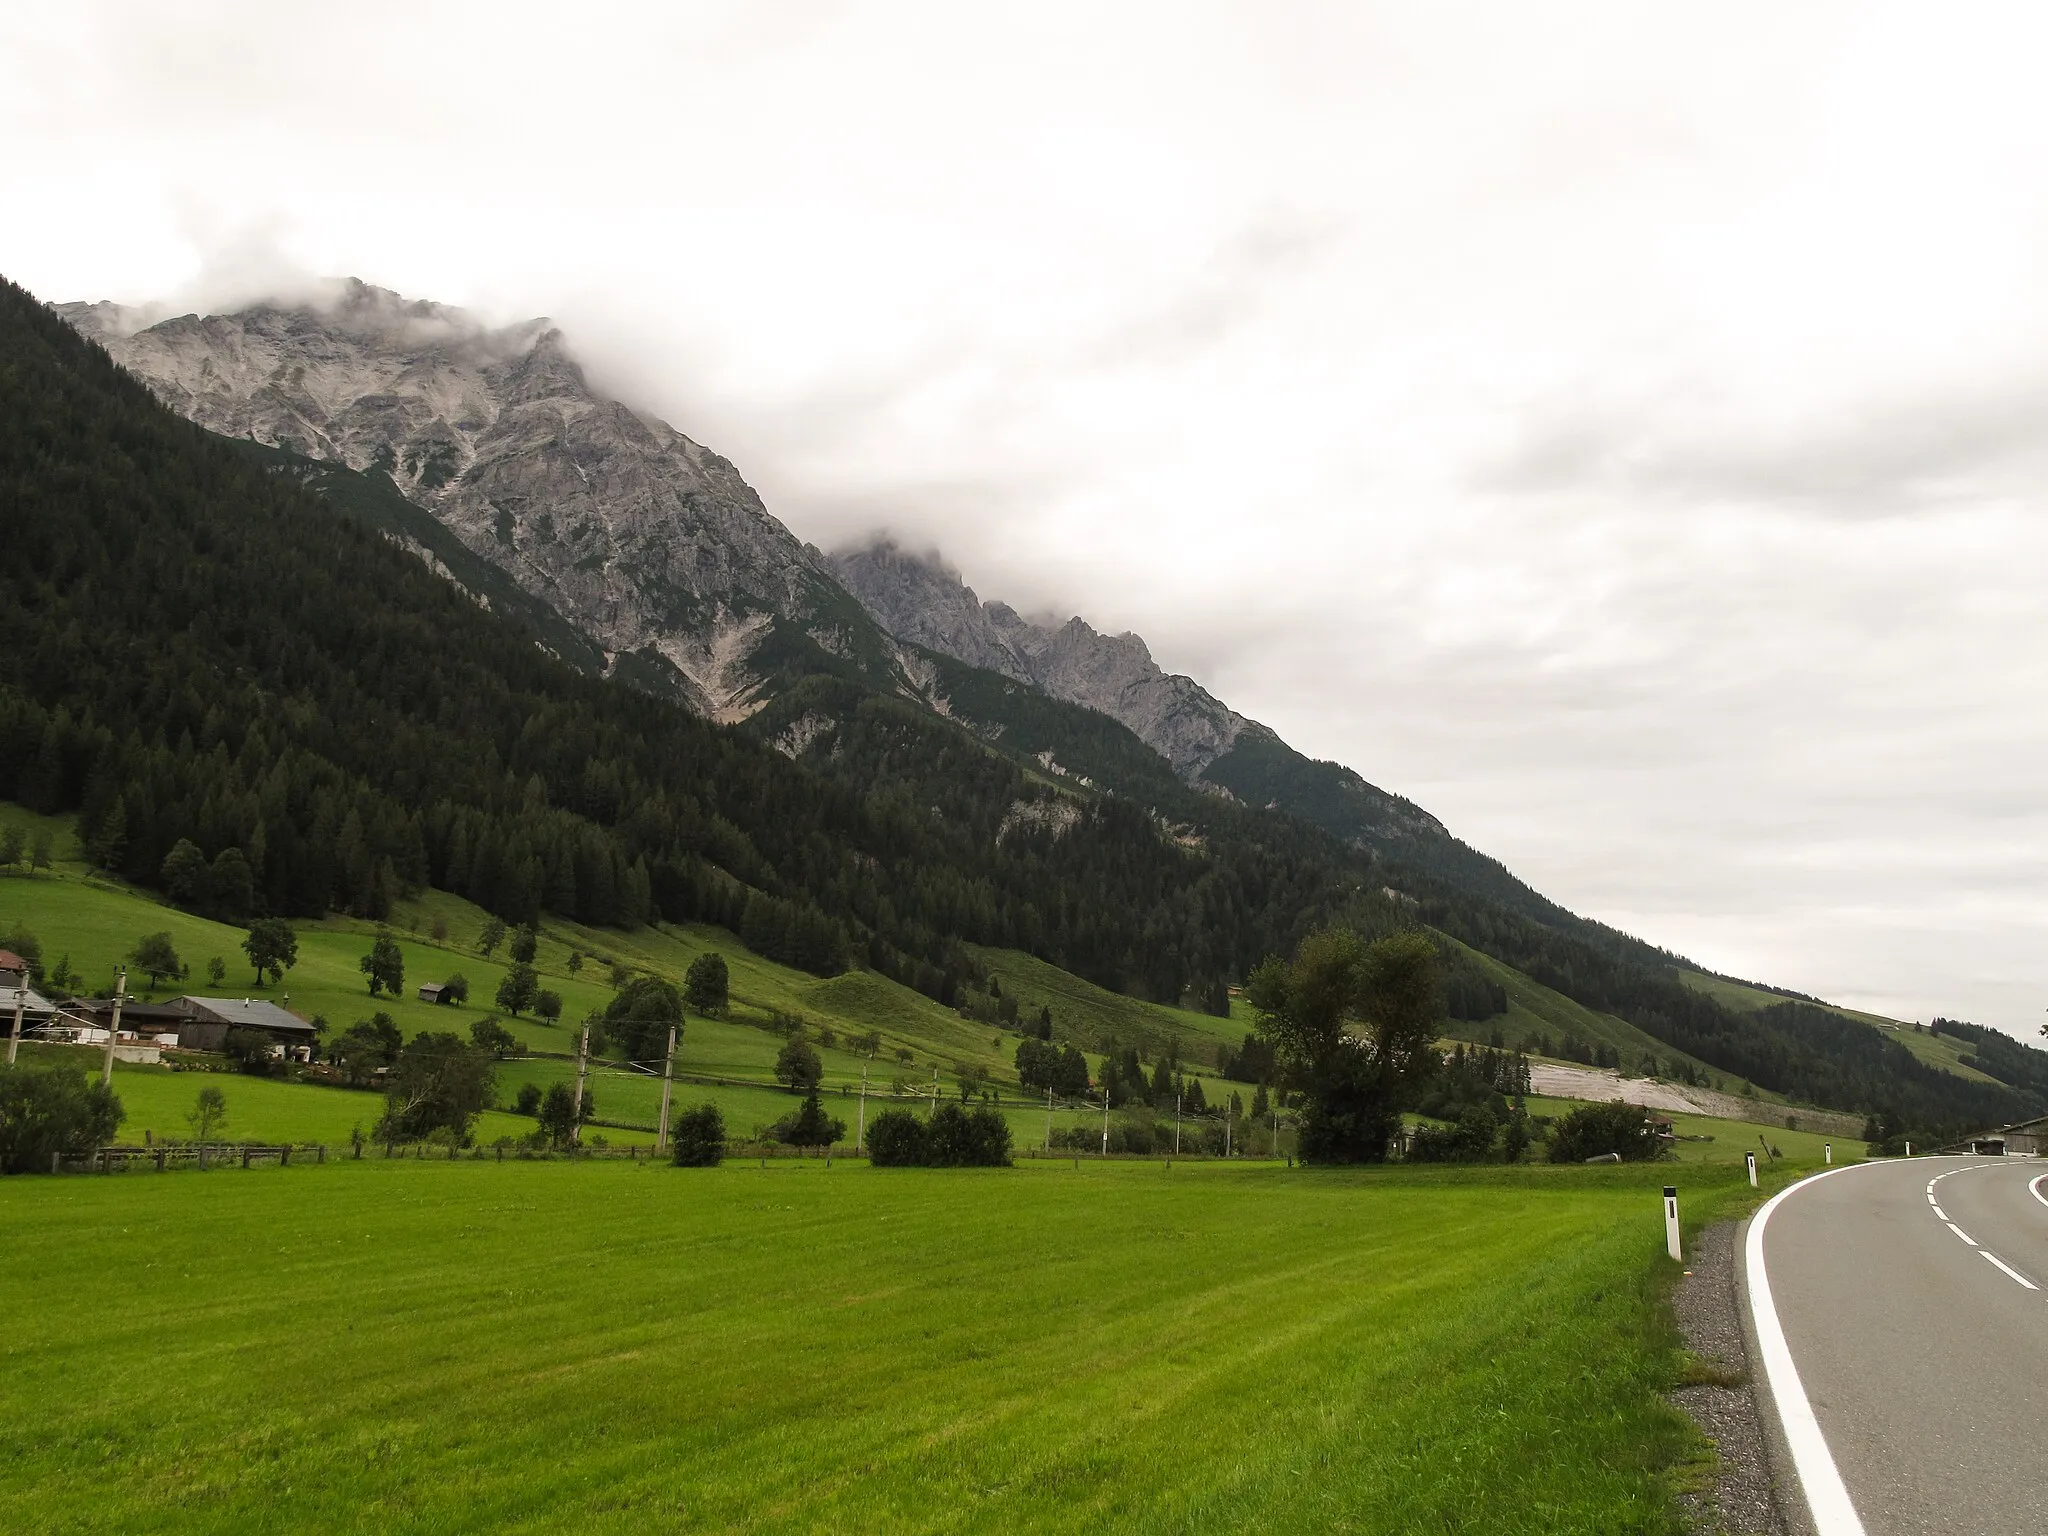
(1739, 1499)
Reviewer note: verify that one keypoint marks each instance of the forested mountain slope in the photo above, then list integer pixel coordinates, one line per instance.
(203, 649)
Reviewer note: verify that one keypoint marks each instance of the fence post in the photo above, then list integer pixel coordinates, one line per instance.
(245, 1155)
(159, 1159)
(284, 1156)
(320, 1153)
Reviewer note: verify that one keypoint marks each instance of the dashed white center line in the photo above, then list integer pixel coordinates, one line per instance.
(1959, 1232)
(2023, 1280)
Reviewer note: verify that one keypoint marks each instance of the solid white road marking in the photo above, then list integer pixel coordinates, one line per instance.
(1959, 1232)
(2023, 1280)
(2034, 1189)
(1826, 1495)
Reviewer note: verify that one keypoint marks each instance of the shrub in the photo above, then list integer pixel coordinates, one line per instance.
(809, 1126)
(1469, 1140)
(46, 1110)
(700, 1138)
(896, 1139)
(251, 1050)
(1594, 1130)
(952, 1138)
(528, 1101)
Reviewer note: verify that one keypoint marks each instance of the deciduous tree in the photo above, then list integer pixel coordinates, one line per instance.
(273, 949)
(385, 965)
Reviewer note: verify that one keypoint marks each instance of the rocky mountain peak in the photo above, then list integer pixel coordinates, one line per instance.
(920, 599)
(645, 540)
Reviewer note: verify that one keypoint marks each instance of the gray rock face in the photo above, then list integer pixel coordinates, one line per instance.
(647, 541)
(923, 601)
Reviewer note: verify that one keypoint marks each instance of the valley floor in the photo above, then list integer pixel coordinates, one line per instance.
(619, 1347)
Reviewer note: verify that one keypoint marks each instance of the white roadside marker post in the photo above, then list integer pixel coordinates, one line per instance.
(1909, 1149)
(1671, 1222)
(1750, 1158)
(1828, 1152)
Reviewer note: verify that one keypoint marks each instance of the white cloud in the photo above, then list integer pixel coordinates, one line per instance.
(1615, 426)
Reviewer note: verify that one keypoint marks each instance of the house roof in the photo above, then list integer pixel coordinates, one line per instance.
(251, 1012)
(32, 1001)
(10, 961)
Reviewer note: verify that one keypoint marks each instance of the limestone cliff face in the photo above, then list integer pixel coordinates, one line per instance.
(648, 542)
(921, 600)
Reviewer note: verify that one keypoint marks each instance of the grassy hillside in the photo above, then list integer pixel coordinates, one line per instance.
(92, 920)
(1092, 1016)
(1534, 1009)
(600, 1348)
(1935, 1050)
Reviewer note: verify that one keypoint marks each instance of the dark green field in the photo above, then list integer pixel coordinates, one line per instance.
(619, 1347)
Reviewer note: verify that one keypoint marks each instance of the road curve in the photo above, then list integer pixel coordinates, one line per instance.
(1912, 1299)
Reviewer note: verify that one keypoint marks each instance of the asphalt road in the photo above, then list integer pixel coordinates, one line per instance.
(1925, 1362)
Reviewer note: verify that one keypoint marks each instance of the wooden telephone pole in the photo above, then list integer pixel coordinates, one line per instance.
(20, 1002)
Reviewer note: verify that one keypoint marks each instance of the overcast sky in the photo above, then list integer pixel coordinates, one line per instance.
(1621, 428)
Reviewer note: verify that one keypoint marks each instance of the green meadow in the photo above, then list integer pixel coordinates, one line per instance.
(540, 1347)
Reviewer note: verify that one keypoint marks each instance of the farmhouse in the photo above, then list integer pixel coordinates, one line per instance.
(12, 969)
(207, 1020)
(159, 1022)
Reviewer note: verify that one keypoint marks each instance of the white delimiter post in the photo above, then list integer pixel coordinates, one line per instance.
(582, 1067)
(114, 1028)
(1671, 1221)
(668, 1072)
(14, 1038)
(1750, 1158)
(1909, 1149)
(1828, 1153)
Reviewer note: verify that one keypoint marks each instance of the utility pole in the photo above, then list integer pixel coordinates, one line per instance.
(1179, 1095)
(860, 1136)
(1105, 1120)
(668, 1072)
(20, 1002)
(582, 1068)
(1228, 1119)
(1048, 1119)
(114, 1027)
(1276, 1125)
